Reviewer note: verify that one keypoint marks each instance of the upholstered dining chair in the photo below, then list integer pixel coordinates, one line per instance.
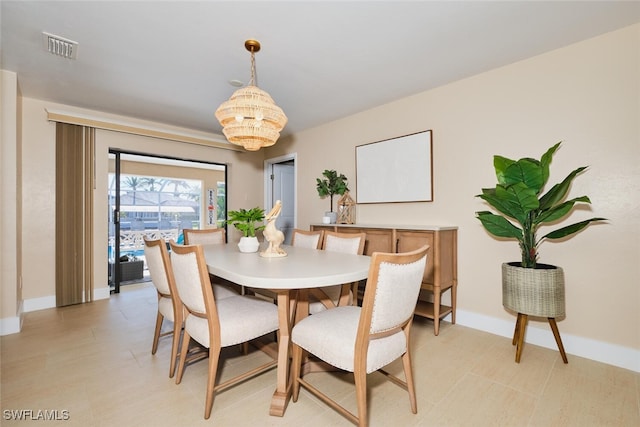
(371, 336)
(169, 307)
(307, 239)
(212, 236)
(209, 236)
(215, 323)
(327, 297)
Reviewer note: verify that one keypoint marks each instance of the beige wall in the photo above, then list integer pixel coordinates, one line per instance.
(10, 204)
(245, 176)
(586, 95)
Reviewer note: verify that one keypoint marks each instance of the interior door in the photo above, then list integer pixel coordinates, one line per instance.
(283, 189)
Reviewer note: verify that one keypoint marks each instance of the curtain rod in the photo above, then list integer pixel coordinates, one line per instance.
(70, 118)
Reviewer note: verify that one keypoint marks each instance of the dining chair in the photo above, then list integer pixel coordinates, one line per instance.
(307, 239)
(321, 299)
(169, 307)
(209, 236)
(212, 236)
(371, 336)
(213, 323)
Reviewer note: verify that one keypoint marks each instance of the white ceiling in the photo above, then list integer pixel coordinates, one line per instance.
(171, 61)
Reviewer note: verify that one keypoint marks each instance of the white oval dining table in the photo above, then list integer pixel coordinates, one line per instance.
(302, 268)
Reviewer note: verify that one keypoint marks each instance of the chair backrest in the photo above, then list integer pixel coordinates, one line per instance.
(210, 236)
(191, 277)
(158, 263)
(352, 243)
(196, 293)
(392, 291)
(307, 239)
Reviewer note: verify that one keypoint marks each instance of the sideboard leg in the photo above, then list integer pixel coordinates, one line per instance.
(436, 309)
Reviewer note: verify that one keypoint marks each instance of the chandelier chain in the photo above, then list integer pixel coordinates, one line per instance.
(252, 82)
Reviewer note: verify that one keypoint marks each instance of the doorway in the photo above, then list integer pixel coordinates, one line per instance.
(280, 184)
(157, 198)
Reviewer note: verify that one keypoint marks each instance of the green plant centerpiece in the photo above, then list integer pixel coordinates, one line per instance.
(529, 287)
(248, 221)
(331, 184)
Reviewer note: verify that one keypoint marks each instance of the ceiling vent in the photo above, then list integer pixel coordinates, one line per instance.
(60, 46)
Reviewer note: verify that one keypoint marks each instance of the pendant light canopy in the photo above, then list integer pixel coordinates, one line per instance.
(251, 118)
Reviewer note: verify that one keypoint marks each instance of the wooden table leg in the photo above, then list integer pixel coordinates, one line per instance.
(280, 399)
(556, 335)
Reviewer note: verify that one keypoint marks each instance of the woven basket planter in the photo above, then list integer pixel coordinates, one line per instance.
(533, 291)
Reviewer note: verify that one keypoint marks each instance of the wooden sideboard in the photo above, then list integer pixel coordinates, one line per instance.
(441, 272)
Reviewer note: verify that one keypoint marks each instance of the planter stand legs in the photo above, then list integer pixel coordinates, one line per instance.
(518, 336)
(556, 335)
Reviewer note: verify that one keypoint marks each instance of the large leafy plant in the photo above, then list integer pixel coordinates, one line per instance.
(517, 196)
(331, 184)
(246, 220)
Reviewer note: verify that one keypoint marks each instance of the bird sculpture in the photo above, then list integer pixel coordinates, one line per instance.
(272, 235)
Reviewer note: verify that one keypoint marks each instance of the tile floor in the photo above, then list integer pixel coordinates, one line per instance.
(94, 362)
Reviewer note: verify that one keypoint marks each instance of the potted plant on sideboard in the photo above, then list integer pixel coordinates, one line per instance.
(247, 222)
(530, 288)
(332, 183)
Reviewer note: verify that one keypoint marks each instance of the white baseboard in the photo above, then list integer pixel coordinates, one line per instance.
(611, 354)
(101, 293)
(10, 325)
(41, 303)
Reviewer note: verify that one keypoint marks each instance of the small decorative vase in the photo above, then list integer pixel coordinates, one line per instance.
(533, 291)
(248, 244)
(333, 217)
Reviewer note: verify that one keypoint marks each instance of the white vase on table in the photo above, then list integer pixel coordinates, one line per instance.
(333, 217)
(248, 244)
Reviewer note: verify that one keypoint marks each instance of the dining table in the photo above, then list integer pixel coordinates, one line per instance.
(301, 269)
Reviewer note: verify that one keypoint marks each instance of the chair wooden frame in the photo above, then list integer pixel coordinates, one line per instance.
(363, 338)
(194, 237)
(175, 301)
(215, 343)
(348, 291)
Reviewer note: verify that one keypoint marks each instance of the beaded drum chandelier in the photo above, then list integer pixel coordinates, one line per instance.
(251, 118)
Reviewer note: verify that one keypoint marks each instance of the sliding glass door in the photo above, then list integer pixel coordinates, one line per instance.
(157, 198)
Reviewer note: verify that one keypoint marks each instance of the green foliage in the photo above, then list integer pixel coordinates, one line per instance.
(331, 184)
(517, 197)
(245, 220)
